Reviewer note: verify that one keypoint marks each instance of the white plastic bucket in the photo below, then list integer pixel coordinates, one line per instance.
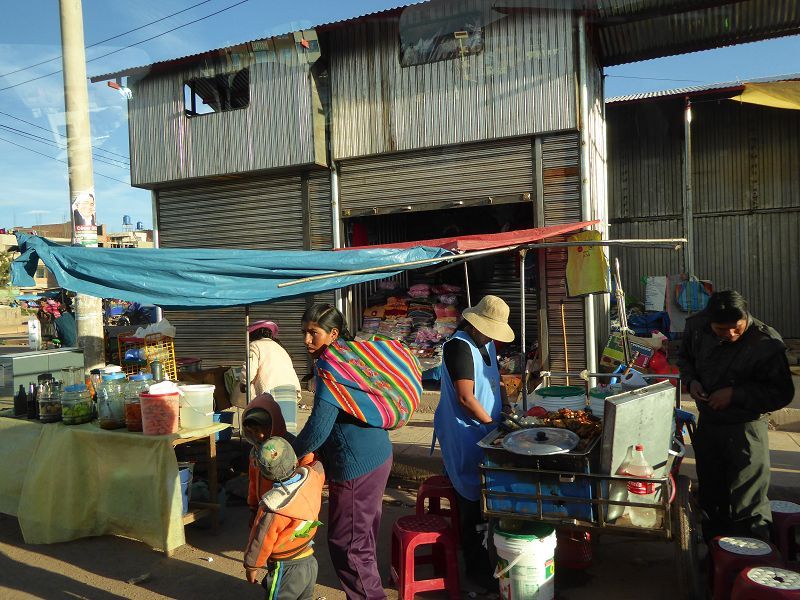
(197, 406)
(526, 564)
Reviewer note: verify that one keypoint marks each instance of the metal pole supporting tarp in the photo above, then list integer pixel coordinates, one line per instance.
(246, 366)
(396, 266)
(666, 244)
(523, 337)
(466, 284)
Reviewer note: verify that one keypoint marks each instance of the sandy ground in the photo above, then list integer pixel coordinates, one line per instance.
(98, 568)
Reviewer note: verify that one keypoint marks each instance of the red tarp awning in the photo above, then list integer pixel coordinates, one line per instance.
(487, 241)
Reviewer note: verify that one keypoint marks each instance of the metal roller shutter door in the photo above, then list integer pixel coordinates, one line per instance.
(438, 178)
(244, 213)
(562, 204)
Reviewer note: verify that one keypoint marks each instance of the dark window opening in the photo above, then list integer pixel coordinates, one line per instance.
(229, 91)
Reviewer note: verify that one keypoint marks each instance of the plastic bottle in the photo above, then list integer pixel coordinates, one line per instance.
(34, 334)
(640, 491)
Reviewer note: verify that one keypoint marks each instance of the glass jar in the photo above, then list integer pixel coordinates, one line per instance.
(48, 395)
(111, 401)
(133, 408)
(76, 404)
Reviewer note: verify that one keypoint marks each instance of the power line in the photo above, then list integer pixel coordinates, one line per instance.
(44, 140)
(8, 87)
(113, 37)
(650, 78)
(57, 159)
(59, 135)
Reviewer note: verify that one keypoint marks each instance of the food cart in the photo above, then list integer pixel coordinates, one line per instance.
(578, 487)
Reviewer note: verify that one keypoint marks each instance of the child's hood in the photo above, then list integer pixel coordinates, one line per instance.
(266, 402)
(304, 498)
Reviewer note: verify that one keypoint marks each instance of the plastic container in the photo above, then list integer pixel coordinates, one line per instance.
(185, 475)
(76, 404)
(159, 413)
(526, 563)
(639, 491)
(225, 434)
(49, 398)
(286, 397)
(111, 401)
(133, 409)
(197, 406)
(556, 397)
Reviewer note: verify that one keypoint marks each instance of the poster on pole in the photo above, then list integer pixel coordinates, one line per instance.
(84, 222)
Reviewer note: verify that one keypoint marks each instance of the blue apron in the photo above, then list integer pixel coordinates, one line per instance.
(458, 433)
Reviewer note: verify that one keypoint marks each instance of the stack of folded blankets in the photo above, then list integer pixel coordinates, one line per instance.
(423, 318)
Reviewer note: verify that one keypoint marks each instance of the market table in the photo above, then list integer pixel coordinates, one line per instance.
(68, 482)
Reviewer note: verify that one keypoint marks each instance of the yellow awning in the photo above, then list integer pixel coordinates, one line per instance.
(777, 94)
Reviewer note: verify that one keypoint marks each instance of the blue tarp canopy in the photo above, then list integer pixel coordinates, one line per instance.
(201, 278)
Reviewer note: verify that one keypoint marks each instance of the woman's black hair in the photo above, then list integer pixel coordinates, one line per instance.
(327, 317)
(260, 334)
(264, 333)
(726, 307)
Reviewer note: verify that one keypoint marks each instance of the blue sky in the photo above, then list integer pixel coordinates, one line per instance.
(34, 189)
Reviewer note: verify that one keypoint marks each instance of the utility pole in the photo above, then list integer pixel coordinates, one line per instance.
(88, 310)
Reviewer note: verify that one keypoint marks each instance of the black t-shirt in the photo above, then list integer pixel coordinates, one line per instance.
(458, 359)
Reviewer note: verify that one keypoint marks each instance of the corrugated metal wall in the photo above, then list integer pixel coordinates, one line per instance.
(280, 128)
(438, 178)
(520, 84)
(244, 213)
(746, 198)
(562, 204)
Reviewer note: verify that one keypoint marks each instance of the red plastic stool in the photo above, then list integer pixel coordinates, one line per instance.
(766, 583)
(573, 550)
(434, 489)
(411, 532)
(785, 524)
(730, 555)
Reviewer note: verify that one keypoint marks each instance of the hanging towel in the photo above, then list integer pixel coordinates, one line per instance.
(377, 382)
(587, 269)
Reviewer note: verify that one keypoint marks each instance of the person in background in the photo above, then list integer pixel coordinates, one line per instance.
(281, 536)
(262, 419)
(357, 459)
(472, 398)
(736, 370)
(270, 365)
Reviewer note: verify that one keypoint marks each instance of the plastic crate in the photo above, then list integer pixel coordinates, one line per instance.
(154, 346)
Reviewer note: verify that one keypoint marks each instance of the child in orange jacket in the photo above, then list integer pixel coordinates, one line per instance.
(261, 420)
(281, 536)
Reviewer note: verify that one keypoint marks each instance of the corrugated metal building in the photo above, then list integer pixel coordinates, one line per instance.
(745, 176)
(499, 123)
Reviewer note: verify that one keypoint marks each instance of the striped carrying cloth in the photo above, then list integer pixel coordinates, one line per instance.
(377, 382)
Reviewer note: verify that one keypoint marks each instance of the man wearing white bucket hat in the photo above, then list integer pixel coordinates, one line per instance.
(471, 401)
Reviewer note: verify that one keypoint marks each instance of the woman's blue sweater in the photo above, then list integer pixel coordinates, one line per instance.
(348, 448)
